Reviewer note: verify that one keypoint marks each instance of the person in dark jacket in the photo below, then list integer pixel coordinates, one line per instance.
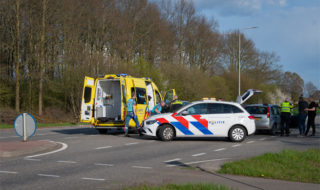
(303, 105)
(311, 116)
(175, 104)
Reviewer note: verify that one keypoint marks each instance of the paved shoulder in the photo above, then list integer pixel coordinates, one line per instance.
(19, 148)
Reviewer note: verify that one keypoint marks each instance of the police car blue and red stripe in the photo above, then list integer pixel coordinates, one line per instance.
(206, 118)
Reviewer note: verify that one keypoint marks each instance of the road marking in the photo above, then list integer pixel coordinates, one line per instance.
(99, 164)
(68, 162)
(262, 139)
(13, 136)
(95, 179)
(142, 167)
(176, 159)
(30, 159)
(200, 154)
(3, 137)
(8, 172)
(220, 149)
(104, 147)
(128, 144)
(71, 137)
(41, 134)
(64, 146)
(250, 142)
(48, 175)
(236, 145)
(273, 136)
(197, 162)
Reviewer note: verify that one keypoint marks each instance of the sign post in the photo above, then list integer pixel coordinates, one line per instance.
(25, 126)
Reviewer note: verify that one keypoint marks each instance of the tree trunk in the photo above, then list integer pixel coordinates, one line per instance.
(42, 57)
(16, 57)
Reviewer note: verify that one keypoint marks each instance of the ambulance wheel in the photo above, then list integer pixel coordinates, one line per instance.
(237, 133)
(166, 133)
(103, 131)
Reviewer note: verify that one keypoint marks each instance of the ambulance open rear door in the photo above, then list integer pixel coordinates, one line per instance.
(168, 97)
(87, 100)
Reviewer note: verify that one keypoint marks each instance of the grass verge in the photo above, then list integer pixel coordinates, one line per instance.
(40, 125)
(183, 187)
(301, 166)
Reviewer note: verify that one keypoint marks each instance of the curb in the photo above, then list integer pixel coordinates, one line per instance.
(42, 147)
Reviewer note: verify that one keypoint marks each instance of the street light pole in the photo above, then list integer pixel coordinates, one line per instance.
(254, 27)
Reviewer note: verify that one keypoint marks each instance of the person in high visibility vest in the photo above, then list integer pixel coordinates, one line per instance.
(286, 107)
(175, 104)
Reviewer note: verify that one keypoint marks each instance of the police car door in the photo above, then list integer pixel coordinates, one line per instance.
(219, 118)
(193, 121)
(87, 100)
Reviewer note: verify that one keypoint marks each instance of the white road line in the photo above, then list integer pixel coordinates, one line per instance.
(3, 137)
(48, 175)
(236, 145)
(273, 136)
(200, 154)
(95, 179)
(13, 136)
(104, 147)
(41, 134)
(30, 159)
(67, 162)
(8, 172)
(176, 159)
(197, 162)
(262, 139)
(142, 167)
(128, 144)
(220, 149)
(250, 142)
(100, 164)
(71, 137)
(64, 146)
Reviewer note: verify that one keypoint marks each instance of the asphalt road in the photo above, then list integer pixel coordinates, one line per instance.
(93, 161)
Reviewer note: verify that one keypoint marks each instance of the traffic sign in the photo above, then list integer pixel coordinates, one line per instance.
(25, 125)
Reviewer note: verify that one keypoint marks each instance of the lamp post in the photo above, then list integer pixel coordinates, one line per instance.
(254, 27)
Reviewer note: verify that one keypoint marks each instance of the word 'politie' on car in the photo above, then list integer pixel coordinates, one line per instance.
(104, 100)
(206, 118)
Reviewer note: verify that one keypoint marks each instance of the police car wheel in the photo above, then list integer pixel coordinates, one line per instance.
(166, 133)
(237, 134)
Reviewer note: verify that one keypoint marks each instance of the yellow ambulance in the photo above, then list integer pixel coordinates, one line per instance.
(104, 100)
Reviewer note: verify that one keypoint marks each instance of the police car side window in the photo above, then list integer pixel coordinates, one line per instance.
(235, 109)
(197, 109)
(215, 108)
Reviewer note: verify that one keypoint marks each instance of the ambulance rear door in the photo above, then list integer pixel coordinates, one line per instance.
(139, 87)
(87, 102)
(124, 97)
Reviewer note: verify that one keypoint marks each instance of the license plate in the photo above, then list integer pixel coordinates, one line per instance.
(256, 119)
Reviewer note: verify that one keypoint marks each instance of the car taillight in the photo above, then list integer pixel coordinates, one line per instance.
(251, 117)
(268, 112)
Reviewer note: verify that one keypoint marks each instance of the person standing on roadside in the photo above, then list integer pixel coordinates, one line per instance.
(311, 116)
(131, 114)
(286, 107)
(175, 104)
(303, 105)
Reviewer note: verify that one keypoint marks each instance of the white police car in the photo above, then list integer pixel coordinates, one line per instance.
(202, 119)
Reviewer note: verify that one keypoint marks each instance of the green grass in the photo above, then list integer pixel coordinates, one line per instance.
(40, 125)
(182, 187)
(301, 166)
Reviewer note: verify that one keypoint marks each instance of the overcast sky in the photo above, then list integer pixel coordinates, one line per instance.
(291, 28)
